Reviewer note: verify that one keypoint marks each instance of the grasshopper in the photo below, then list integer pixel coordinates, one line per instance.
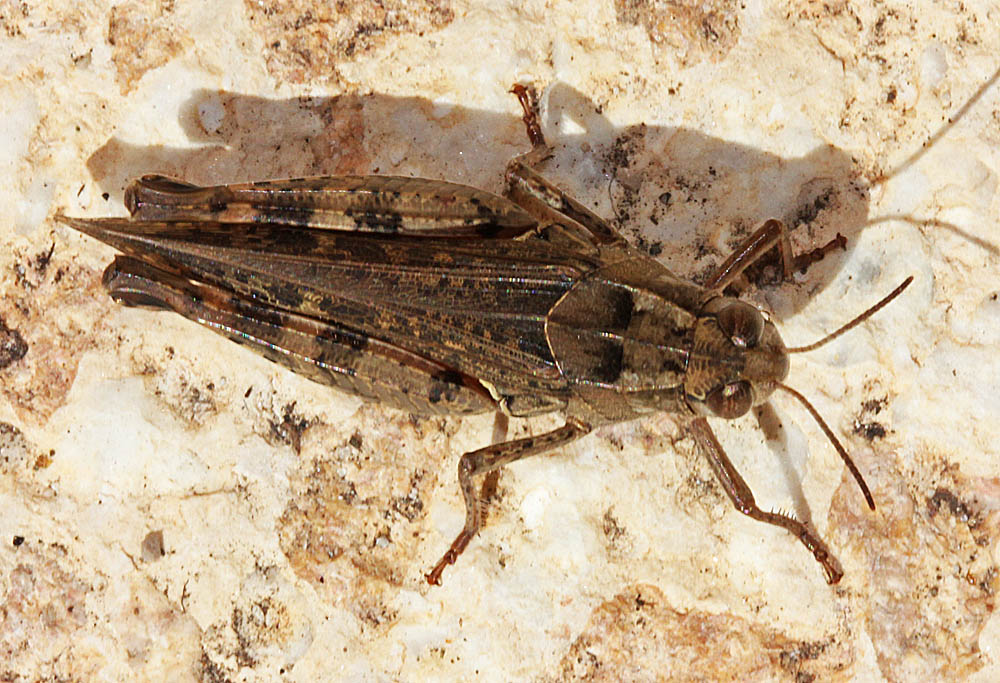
(439, 298)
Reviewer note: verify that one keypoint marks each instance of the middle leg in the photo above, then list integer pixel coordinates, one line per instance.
(486, 461)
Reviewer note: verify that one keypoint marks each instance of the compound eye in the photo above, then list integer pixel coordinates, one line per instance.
(742, 323)
(730, 401)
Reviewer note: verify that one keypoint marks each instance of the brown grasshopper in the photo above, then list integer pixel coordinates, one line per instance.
(439, 298)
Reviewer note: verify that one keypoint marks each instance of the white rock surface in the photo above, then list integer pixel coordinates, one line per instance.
(174, 507)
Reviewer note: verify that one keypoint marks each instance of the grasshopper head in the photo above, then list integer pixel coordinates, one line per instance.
(737, 360)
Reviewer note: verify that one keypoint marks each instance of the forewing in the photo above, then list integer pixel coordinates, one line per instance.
(475, 305)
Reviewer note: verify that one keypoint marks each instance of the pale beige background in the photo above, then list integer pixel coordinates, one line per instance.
(174, 507)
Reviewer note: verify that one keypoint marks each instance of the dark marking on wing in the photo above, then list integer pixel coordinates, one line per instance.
(444, 385)
(607, 355)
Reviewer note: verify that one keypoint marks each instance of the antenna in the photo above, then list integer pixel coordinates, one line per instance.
(857, 321)
(812, 411)
(836, 444)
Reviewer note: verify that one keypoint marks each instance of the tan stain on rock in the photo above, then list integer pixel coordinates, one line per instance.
(268, 618)
(925, 562)
(305, 41)
(638, 636)
(143, 36)
(352, 525)
(44, 607)
(691, 31)
(61, 622)
(47, 302)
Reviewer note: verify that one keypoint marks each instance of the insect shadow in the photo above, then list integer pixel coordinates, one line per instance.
(686, 197)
